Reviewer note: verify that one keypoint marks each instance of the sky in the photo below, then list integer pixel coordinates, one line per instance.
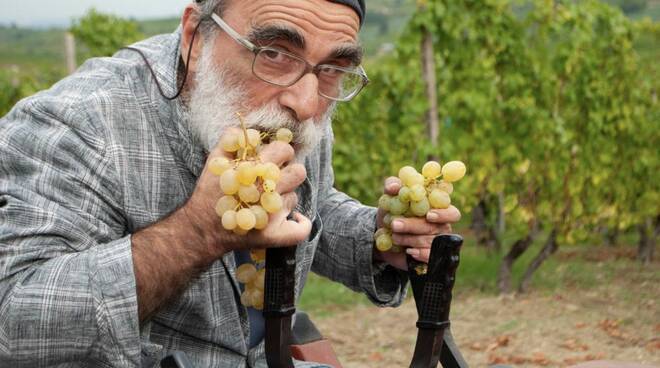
(60, 12)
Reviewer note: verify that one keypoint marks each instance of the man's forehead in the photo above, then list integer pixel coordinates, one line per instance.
(350, 52)
(313, 19)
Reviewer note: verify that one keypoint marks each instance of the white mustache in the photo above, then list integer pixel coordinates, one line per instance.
(216, 100)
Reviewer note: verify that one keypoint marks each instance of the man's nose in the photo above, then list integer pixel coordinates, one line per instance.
(302, 97)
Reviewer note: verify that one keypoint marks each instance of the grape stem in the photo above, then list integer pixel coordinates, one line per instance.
(247, 142)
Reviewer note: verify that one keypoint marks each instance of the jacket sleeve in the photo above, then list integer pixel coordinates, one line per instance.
(345, 251)
(67, 287)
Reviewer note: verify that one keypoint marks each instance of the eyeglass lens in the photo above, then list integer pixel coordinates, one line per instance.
(282, 69)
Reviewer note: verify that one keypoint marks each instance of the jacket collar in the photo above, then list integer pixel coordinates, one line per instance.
(163, 54)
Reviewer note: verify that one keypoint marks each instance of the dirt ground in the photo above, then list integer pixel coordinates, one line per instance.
(618, 321)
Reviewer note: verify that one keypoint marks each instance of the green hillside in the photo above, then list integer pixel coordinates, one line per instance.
(43, 49)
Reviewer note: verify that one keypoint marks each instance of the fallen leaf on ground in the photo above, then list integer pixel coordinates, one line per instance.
(540, 359)
(376, 357)
(583, 358)
(574, 345)
(502, 340)
(654, 344)
(580, 325)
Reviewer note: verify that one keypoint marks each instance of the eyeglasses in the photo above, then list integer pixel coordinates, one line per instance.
(281, 68)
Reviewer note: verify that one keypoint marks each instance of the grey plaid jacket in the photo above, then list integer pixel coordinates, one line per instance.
(101, 155)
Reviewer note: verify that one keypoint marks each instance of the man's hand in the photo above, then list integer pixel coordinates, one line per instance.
(280, 231)
(169, 253)
(415, 233)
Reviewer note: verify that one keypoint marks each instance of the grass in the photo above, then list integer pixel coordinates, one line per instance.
(323, 297)
(574, 267)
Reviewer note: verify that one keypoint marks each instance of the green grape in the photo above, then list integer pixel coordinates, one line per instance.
(249, 193)
(224, 204)
(229, 220)
(384, 242)
(405, 173)
(421, 207)
(445, 186)
(240, 139)
(269, 185)
(387, 220)
(417, 179)
(404, 194)
(260, 169)
(246, 173)
(257, 296)
(257, 299)
(229, 142)
(218, 165)
(397, 207)
(409, 213)
(259, 281)
(229, 182)
(261, 217)
(439, 199)
(417, 192)
(246, 272)
(245, 219)
(431, 170)
(238, 231)
(453, 171)
(384, 202)
(285, 135)
(396, 249)
(271, 202)
(254, 138)
(271, 171)
(379, 232)
(246, 299)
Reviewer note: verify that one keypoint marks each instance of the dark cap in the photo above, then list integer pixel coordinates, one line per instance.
(357, 5)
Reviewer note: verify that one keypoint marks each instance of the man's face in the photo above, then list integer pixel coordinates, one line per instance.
(319, 31)
(312, 29)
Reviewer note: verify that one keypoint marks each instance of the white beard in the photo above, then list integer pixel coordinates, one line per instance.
(216, 98)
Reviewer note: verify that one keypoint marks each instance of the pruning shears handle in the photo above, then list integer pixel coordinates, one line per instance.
(279, 305)
(432, 286)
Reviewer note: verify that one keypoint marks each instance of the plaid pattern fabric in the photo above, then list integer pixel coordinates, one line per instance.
(101, 155)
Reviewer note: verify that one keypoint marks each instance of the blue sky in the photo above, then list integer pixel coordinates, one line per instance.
(60, 12)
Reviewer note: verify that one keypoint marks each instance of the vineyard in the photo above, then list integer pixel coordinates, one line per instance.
(553, 110)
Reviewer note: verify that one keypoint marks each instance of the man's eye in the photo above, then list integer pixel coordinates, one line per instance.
(331, 72)
(274, 56)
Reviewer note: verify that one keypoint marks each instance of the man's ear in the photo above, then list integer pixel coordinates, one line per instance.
(189, 22)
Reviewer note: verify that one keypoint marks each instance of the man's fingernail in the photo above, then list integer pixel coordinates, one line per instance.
(412, 251)
(432, 216)
(397, 225)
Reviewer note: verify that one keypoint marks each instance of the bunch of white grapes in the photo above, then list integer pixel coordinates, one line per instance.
(252, 276)
(420, 192)
(248, 186)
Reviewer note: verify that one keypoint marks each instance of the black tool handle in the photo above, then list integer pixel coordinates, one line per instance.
(279, 305)
(435, 287)
(440, 277)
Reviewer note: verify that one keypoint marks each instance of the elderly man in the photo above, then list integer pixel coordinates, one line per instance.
(111, 254)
